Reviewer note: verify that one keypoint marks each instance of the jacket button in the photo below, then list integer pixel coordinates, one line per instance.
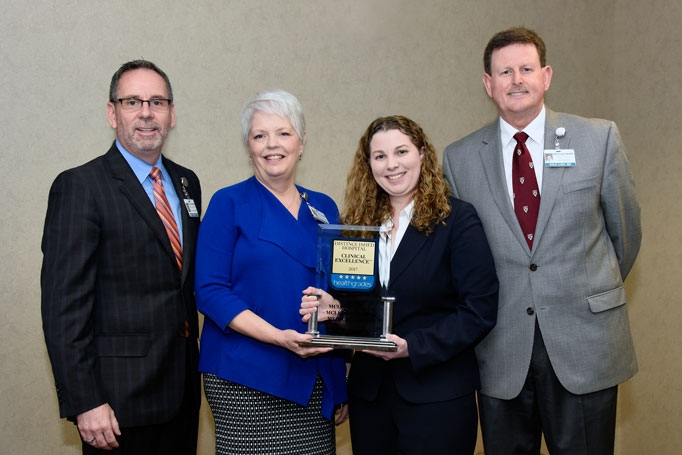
(533, 267)
(530, 311)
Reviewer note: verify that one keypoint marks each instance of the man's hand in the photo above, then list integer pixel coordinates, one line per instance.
(99, 427)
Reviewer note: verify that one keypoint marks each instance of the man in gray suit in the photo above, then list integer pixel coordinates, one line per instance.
(562, 343)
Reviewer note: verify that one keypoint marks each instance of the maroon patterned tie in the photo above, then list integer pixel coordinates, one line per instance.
(525, 186)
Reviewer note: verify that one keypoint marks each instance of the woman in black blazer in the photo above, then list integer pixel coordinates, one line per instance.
(437, 264)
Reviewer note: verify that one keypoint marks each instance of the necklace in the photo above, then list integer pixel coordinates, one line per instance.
(297, 197)
(293, 205)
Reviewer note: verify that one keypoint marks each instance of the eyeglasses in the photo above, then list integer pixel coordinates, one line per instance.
(135, 104)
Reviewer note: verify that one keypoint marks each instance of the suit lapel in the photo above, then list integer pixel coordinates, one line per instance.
(187, 225)
(492, 163)
(551, 177)
(135, 193)
(410, 245)
(279, 227)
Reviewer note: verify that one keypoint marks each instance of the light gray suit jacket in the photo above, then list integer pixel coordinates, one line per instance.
(586, 241)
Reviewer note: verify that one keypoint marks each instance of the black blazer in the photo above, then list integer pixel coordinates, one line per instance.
(445, 287)
(114, 303)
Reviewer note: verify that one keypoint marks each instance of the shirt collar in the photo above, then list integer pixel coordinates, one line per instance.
(404, 217)
(140, 168)
(406, 213)
(535, 129)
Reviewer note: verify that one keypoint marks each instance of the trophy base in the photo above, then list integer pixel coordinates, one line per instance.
(347, 342)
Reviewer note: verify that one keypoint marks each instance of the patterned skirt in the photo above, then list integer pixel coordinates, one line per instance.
(250, 422)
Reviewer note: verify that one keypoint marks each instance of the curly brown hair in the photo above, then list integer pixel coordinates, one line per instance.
(366, 203)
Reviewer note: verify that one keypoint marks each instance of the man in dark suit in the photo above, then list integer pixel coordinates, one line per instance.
(118, 308)
(562, 249)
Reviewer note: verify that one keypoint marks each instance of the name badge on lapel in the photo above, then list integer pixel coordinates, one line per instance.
(560, 158)
(191, 208)
(319, 216)
(189, 202)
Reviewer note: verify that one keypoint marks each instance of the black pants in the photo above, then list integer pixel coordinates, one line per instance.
(391, 425)
(572, 424)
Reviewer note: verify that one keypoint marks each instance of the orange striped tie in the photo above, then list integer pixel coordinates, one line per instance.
(166, 214)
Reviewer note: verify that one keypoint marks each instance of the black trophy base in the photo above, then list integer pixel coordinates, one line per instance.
(347, 342)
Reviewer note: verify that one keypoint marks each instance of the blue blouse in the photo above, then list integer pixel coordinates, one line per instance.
(252, 254)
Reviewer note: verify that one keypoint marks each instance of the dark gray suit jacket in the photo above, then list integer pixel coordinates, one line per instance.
(586, 241)
(114, 303)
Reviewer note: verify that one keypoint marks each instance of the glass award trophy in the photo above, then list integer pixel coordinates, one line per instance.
(348, 268)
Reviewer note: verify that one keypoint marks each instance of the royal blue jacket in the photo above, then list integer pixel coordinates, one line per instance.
(253, 255)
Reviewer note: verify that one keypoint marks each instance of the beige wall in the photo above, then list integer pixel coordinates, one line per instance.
(348, 61)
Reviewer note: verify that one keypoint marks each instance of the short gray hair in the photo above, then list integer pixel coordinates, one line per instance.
(136, 65)
(279, 102)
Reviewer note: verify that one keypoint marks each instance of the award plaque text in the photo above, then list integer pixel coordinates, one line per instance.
(348, 268)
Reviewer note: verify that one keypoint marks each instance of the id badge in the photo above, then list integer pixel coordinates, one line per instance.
(191, 208)
(319, 216)
(560, 158)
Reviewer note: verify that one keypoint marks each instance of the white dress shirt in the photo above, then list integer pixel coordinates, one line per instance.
(387, 248)
(535, 144)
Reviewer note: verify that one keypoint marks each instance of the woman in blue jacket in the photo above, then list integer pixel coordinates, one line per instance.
(255, 254)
